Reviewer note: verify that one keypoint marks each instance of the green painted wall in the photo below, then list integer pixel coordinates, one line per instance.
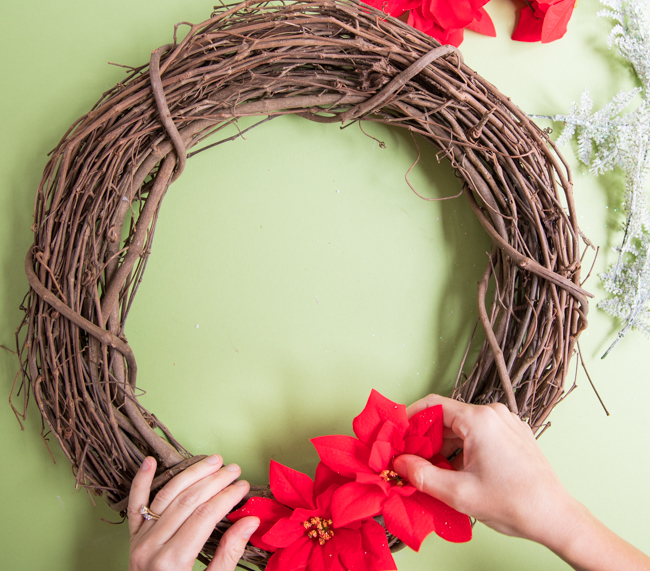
(294, 271)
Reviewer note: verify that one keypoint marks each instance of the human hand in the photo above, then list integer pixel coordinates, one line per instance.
(503, 478)
(190, 505)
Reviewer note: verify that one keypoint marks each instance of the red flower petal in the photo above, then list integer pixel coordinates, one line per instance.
(322, 559)
(391, 434)
(529, 28)
(427, 423)
(375, 554)
(269, 511)
(375, 542)
(556, 20)
(354, 502)
(343, 454)
(290, 487)
(393, 8)
(284, 533)
(448, 523)
(380, 456)
(408, 520)
(483, 24)
(374, 479)
(326, 477)
(294, 557)
(301, 514)
(324, 501)
(420, 21)
(404, 491)
(450, 13)
(378, 410)
(344, 541)
(418, 445)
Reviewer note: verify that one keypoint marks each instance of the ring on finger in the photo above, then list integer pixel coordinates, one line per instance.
(148, 514)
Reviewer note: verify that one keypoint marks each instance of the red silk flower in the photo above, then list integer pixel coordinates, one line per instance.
(543, 20)
(445, 20)
(384, 431)
(297, 527)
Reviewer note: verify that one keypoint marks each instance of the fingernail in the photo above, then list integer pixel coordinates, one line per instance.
(214, 459)
(232, 468)
(146, 464)
(241, 483)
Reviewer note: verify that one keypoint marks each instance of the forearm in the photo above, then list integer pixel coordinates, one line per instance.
(591, 546)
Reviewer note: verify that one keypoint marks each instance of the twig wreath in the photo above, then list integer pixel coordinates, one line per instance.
(330, 61)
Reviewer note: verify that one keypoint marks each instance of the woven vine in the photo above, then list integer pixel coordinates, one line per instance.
(331, 61)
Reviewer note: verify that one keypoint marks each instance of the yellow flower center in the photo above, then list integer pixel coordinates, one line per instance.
(319, 528)
(390, 476)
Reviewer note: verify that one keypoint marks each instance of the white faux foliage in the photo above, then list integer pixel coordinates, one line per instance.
(610, 139)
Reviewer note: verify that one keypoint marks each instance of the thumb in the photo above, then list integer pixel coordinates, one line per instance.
(232, 544)
(429, 479)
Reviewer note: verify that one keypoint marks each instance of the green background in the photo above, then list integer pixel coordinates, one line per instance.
(293, 272)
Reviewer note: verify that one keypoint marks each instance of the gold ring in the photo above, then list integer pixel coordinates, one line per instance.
(148, 514)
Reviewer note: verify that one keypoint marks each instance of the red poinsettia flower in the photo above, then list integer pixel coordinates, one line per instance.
(543, 20)
(297, 527)
(442, 19)
(384, 431)
(393, 8)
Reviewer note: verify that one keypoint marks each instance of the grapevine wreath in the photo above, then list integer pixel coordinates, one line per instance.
(330, 61)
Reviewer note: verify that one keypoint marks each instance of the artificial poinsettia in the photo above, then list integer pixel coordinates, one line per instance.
(383, 432)
(297, 527)
(446, 20)
(543, 20)
(442, 19)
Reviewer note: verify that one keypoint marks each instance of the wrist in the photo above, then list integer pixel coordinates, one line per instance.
(587, 544)
(566, 535)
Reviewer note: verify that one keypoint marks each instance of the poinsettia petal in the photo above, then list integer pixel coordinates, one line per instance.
(450, 13)
(483, 24)
(408, 520)
(354, 502)
(344, 541)
(556, 20)
(322, 560)
(393, 8)
(419, 446)
(268, 511)
(529, 27)
(343, 454)
(301, 514)
(373, 479)
(428, 423)
(326, 477)
(284, 533)
(324, 502)
(381, 454)
(448, 523)
(375, 542)
(422, 22)
(294, 557)
(290, 487)
(375, 553)
(378, 410)
(390, 433)
(405, 491)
